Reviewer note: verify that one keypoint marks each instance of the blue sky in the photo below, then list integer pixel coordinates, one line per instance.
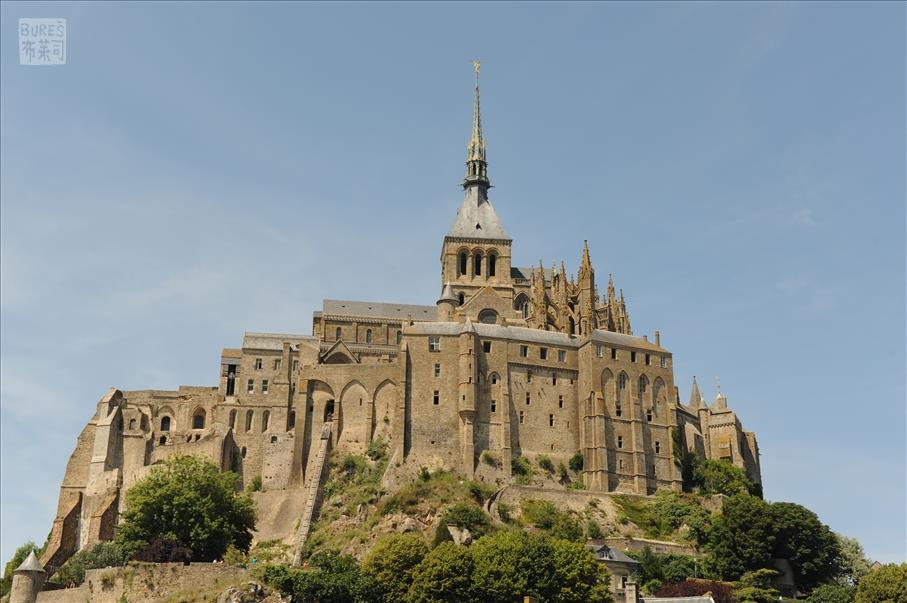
(198, 170)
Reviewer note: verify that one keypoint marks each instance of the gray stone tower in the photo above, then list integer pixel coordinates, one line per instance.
(28, 580)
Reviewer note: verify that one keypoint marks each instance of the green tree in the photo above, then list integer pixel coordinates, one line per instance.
(833, 593)
(189, 500)
(102, 554)
(886, 584)
(328, 578)
(502, 568)
(444, 575)
(391, 564)
(756, 587)
(810, 546)
(685, 460)
(576, 462)
(854, 564)
(721, 477)
(578, 576)
(462, 515)
(18, 557)
(742, 537)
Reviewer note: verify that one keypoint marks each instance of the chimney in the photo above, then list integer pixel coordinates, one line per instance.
(658, 338)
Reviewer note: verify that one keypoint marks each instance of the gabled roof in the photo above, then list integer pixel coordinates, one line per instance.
(476, 218)
(379, 309)
(603, 552)
(339, 347)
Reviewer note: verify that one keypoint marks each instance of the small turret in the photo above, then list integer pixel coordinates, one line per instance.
(695, 396)
(720, 401)
(446, 304)
(28, 580)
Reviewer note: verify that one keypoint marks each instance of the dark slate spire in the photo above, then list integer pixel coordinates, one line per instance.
(476, 166)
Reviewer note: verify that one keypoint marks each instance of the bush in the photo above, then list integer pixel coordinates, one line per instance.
(521, 469)
(540, 513)
(886, 583)
(255, 485)
(102, 554)
(391, 564)
(462, 515)
(491, 459)
(377, 449)
(545, 463)
(658, 570)
(562, 474)
(576, 462)
(189, 500)
(504, 511)
(329, 577)
(593, 530)
(719, 476)
(833, 593)
(234, 556)
(756, 587)
(445, 574)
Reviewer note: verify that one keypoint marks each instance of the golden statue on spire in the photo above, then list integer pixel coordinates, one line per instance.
(476, 64)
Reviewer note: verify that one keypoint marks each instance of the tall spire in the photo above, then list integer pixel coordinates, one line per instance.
(695, 396)
(476, 166)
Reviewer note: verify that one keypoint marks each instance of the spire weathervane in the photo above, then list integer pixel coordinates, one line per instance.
(476, 166)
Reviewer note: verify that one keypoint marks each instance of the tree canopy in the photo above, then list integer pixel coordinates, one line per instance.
(188, 500)
(886, 584)
(391, 564)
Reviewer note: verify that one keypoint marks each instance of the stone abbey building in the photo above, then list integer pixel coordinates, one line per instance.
(509, 361)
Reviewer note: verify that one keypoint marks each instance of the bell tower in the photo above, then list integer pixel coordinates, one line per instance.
(476, 250)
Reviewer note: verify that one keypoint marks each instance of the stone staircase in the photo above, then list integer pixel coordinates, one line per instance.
(313, 491)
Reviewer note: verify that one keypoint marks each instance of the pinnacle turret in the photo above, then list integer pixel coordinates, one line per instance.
(476, 165)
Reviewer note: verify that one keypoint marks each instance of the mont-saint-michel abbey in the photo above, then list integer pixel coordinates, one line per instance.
(509, 361)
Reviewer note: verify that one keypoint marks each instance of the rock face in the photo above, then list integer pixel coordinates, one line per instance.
(252, 592)
(461, 536)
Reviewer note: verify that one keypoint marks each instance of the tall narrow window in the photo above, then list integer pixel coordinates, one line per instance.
(617, 410)
(477, 264)
(248, 420)
(277, 364)
(521, 417)
(463, 260)
(562, 356)
(399, 337)
(529, 376)
(494, 406)
(648, 359)
(338, 332)
(461, 298)
(599, 351)
(264, 386)
(232, 419)
(265, 419)
(437, 371)
(620, 441)
(486, 346)
(621, 463)
(613, 353)
(632, 356)
(560, 401)
(258, 364)
(543, 353)
(250, 386)
(368, 336)
(663, 362)
(528, 399)
(550, 420)
(553, 378)
(436, 398)
(649, 415)
(524, 351)
(642, 385)
(296, 365)
(492, 264)
(494, 379)
(165, 423)
(657, 447)
(434, 343)
(291, 420)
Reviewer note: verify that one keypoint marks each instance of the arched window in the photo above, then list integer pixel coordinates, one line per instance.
(621, 386)
(338, 333)
(488, 316)
(492, 264)
(477, 264)
(243, 452)
(232, 419)
(265, 419)
(198, 419)
(462, 298)
(494, 378)
(463, 260)
(131, 423)
(165, 423)
(248, 421)
(368, 336)
(643, 384)
(571, 326)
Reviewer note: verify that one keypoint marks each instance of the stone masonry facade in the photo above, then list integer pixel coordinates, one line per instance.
(510, 361)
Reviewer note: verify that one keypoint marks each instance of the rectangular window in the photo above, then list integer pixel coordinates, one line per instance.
(277, 364)
(264, 386)
(663, 361)
(620, 441)
(648, 359)
(494, 406)
(621, 465)
(613, 353)
(632, 356)
(524, 351)
(561, 356)
(600, 351)
(486, 346)
(560, 401)
(521, 417)
(434, 343)
(553, 378)
(657, 447)
(527, 399)
(258, 364)
(436, 398)
(649, 415)
(437, 371)
(617, 410)
(529, 376)
(296, 366)
(543, 353)
(250, 386)
(292, 388)
(550, 420)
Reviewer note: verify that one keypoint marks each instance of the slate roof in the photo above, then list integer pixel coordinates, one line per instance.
(476, 218)
(627, 340)
(379, 309)
(271, 341)
(31, 564)
(505, 332)
(603, 552)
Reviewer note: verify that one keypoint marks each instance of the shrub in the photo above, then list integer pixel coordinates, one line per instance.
(445, 574)
(833, 593)
(521, 468)
(886, 583)
(491, 459)
(540, 513)
(234, 556)
(504, 511)
(593, 530)
(102, 554)
(721, 592)
(377, 449)
(462, 515)
(424, 473)
(479, 492)
(576, 462)
(545, 463)
(562, 474)
(255, 485)
(391, 564)
(757, 587)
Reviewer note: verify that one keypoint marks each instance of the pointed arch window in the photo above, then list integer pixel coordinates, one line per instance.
(265, 419)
